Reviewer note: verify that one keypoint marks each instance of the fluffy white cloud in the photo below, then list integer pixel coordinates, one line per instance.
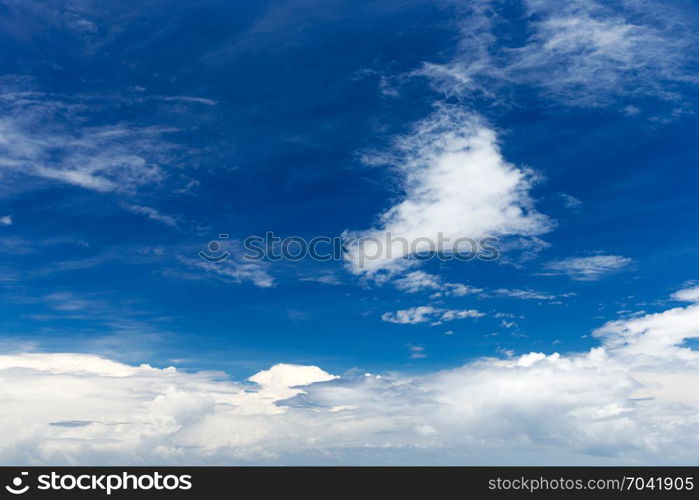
(6, 220)
(412, 316)
(587, 268)
(457, 185)
(687, 295)
(632, 399)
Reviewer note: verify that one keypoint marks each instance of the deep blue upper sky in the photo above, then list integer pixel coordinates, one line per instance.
(246, 117)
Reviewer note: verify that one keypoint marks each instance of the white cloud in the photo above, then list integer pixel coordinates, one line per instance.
(581, 52)
(570, 201)
(416, 281)
(687, 295)
(630, 400)
(523, 294)
(282, 381)
(655, 341)
(586, 52)
(327, 278)
(152, 214)
(417, 352)
(455, 181)
(233, 270)
(110, 158)
(6, 220)
(46, 138)
(587, 268)
(423, 314)
(184, 98)
(456, 185)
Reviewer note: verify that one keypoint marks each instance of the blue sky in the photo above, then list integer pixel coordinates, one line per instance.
(134, 133)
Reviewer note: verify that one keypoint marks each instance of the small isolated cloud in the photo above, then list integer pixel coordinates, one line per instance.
(456, 185)
(233, 271)
(416, 281)
(423, 314)
(324, 278)
(67, 302)
(417, 352)
(570, 201)
(523, 294)
(152, 214)
(587, 268)
(6, 220)
(687, 295)
(185, 98)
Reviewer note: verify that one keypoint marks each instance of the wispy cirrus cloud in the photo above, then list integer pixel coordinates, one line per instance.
(587, 268)
(152, 214)
(105, 158)
(526, 294)
(50, 137)
(229, 270)
(416, 281)
(456, 185)
(581, 53)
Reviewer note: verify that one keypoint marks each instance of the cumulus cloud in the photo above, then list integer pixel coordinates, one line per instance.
(423, 314)
(456, 185)
(6, 220)
(587, 268)
(632, 399)
(687, 295)
(655, 341)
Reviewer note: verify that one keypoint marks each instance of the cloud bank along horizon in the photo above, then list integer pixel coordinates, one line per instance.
(585, 407)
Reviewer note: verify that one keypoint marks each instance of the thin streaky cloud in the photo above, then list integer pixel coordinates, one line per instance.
(587, 268)
(424, 314)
